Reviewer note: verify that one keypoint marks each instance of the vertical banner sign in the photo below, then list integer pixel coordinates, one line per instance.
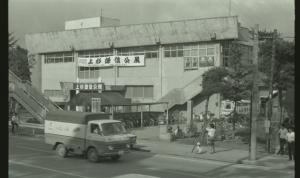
(111, 61)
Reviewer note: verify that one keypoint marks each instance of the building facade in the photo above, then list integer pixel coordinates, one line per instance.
(174, 55)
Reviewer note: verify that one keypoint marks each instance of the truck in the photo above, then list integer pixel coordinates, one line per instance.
(94, 135)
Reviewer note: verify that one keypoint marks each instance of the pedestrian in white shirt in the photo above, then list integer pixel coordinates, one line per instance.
(211, 137)
(291, 143)
(14, 123)
(282, 137)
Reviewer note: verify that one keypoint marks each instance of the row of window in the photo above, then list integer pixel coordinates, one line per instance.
(139, 92)
(96, 53)
(88, 72)
(149, 52)
(195, 62)
(59, 57)
(189, 50)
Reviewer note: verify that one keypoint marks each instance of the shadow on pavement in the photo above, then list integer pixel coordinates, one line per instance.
(140, 148)
(226, 171)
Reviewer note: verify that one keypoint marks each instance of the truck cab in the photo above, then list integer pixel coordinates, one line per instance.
(109, 137)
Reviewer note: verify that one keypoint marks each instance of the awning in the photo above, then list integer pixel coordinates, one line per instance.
(107, 98)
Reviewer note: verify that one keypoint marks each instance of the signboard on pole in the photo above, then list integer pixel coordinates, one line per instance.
(111, 61)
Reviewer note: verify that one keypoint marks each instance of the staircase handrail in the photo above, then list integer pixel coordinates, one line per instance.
(20, 80)
(29, 83)
(33, 109)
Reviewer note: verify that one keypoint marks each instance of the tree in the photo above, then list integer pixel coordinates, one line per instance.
(283, 75)
(11, 40)
(17, 59)
(238, 81)
(212, 83)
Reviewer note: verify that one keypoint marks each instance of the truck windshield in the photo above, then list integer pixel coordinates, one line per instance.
(113, 128)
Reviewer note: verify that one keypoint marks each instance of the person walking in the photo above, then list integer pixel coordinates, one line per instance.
(291, 143)
(282, 137)
(14, 123)
(211, 137)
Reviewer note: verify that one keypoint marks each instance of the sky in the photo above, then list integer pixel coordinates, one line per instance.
(33, 16)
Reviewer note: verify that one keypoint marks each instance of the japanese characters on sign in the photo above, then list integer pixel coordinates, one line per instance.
(88, 86)
(111, 61)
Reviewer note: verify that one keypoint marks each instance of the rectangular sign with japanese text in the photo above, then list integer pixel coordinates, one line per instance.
(88, 86)
(111, 61)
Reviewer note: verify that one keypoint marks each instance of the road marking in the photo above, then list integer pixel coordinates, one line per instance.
(135, 176)
(34, 149)
(192, 159)
(176, 172)
(44, 168)
(24, 155)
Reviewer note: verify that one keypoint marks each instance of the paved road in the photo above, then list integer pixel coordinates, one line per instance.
(30, 158)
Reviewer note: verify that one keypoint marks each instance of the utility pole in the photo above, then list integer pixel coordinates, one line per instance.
(270, 103)
(255, 92)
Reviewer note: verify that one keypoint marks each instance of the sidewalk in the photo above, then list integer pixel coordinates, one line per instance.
(236, 156)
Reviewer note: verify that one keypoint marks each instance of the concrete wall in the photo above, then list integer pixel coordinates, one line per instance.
(54, 73)
(174, 75)
(36, 71)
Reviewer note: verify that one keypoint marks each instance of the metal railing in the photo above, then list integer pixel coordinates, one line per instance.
(30, 125)
(33, 93)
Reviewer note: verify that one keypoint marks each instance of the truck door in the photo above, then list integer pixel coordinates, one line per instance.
(93, 135)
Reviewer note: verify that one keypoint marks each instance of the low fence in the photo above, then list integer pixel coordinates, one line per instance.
(139, 119)
(32, 127)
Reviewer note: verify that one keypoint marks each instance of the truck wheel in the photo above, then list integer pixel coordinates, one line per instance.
(61, 150)
(92, 155)
(115, 157)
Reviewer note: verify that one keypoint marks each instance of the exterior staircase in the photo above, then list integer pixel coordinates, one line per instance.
(179, 96)
(30, 98)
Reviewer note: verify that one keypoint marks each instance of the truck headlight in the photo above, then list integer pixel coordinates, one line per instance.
(127, 145)
(110, 147)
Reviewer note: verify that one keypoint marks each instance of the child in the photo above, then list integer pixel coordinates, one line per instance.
(199, 148)
(211, 137)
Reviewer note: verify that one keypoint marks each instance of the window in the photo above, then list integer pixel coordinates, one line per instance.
(95, 129)
(226, 52)
(228, 106)
(148, 91)
(139, 92)
(115, 128)
(197, 55)
(88, 72)
(62, 57)
(173, 51)
(96, 53)
(148, 51)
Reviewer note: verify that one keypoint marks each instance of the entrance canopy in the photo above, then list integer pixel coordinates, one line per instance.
(107, 98)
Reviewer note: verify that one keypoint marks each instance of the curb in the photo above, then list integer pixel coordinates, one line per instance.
(238, 162)
(243, 161)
